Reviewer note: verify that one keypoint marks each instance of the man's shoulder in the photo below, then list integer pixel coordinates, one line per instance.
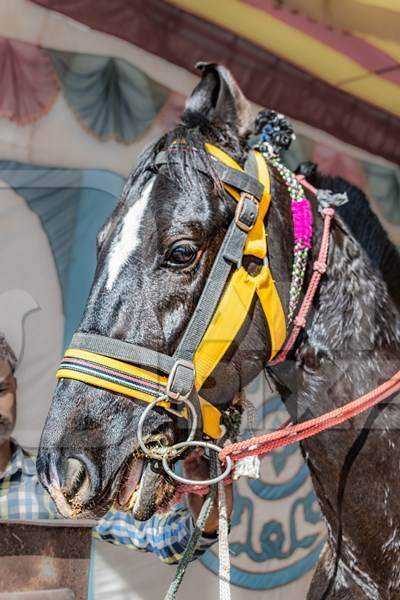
(21, 494)
(22, 460)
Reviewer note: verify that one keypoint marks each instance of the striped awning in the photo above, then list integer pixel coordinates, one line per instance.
(333, 65)
(375, 18)
(364, 65)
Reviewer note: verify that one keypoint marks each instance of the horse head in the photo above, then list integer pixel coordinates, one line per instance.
(155, 254)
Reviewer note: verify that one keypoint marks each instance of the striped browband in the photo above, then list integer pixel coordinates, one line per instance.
(224, 305)
(120, 377)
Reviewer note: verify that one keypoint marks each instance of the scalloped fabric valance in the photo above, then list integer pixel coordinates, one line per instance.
(111, 98)
(28, 84)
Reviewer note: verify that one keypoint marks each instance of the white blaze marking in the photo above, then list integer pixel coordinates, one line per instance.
(128, 239)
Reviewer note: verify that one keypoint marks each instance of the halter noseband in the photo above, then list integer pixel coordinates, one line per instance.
(224, 304)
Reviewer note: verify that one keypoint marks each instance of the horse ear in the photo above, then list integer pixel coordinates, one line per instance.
(218, 97)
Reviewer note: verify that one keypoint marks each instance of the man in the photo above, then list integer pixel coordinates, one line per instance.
(22, 496)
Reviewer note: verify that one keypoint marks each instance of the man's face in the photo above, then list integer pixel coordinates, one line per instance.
(8, 402)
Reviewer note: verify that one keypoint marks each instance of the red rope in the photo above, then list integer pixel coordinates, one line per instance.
(191, 488)
(301, 179)
(263, 444)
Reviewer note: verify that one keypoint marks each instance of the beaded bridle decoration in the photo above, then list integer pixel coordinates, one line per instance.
(275, 134)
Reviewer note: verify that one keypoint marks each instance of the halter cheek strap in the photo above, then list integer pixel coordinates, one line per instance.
(236, 301)
(225, 302)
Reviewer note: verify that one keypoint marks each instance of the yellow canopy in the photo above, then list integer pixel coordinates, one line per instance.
(354, 45)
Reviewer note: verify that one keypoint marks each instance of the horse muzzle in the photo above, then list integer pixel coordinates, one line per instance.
(139, 487)
(89, 457)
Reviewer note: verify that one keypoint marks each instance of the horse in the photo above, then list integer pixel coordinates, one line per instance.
(154, 256)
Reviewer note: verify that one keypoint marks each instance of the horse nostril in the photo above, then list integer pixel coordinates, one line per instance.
(74, 471)
(76, 481)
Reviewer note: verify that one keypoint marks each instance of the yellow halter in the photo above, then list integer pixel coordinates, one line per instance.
(103, 371)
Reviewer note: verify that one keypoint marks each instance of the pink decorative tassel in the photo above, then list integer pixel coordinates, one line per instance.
(302, 224)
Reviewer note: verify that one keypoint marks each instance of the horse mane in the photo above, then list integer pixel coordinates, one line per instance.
(192, 133)
(363, 224)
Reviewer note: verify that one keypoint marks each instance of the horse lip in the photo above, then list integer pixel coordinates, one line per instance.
(131, 479)
(144, 500)
(153, 493)
(143, 491)
(63, 506)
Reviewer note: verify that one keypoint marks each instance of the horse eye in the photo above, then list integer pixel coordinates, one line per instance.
(182, 254)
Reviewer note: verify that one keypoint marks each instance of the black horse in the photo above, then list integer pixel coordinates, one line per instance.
(154, 255)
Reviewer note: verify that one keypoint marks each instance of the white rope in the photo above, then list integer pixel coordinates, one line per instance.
(223, 537)
(223, 543)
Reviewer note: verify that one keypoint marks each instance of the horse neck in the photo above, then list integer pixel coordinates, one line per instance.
(350, 346)
(352, 341)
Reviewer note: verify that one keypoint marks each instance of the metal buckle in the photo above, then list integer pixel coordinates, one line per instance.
(176, 395)
(246, 198)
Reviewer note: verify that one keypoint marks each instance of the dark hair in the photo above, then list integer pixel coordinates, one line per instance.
(6, 352)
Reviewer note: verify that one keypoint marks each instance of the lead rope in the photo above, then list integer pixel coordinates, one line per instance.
(191, 548)
(264, 444)
(249, 466)
(223, 540)
(223, 543)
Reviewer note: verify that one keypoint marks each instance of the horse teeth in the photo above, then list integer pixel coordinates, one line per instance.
(132, 499)
(131, 480)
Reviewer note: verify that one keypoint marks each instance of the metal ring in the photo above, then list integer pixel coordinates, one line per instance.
(169, 451)
(209, 445)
